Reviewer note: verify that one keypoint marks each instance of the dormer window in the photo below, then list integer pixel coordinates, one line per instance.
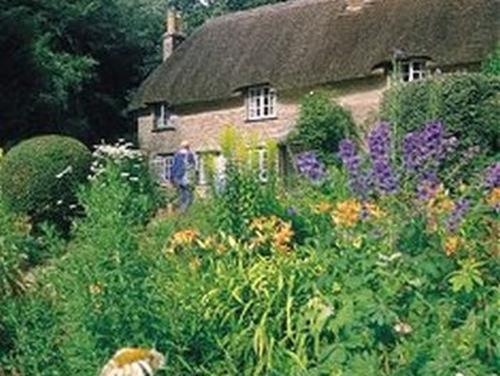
(412, 70)
(261, 103)
(163, 117)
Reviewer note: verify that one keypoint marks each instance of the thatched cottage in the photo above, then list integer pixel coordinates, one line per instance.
(251, 68)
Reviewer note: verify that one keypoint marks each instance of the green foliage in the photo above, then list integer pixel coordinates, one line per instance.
(70, 66)
(39, 177)
(468, 105)
(379, 287)
(14, 242)
(321, 126)
(491, 65)
(92, 299)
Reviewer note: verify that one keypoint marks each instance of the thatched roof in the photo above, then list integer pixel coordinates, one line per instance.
(303, 43)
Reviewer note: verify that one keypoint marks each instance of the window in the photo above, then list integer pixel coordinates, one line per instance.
(163, 118)
(261, 103)
(202, 173)
(263, 165)
(161, 167)
(412, 70)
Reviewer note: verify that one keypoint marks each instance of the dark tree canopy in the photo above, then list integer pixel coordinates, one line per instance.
(70, 67)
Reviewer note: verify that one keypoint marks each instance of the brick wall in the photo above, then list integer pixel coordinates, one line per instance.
(202, 125)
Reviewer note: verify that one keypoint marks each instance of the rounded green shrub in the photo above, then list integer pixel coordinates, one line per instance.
(39, 177)
(322, 124)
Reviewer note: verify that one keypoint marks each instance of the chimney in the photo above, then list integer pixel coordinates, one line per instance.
(173, 35)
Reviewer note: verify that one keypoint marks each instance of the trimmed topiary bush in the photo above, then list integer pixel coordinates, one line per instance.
(39, 177)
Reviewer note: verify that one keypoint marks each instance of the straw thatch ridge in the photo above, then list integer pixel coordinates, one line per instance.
(309, 42)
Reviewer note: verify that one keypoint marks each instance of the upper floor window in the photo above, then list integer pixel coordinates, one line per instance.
(163, 118)
(261, 103)
(412, 70)
(161, 167)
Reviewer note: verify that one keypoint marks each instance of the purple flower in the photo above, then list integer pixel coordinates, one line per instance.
(432, 140)
(310, 166)
(492, 176)
(457, 215)
(412, 156)
(425, 149)
(379, 141)
(379, 145)
(352, 163)
(427, 186)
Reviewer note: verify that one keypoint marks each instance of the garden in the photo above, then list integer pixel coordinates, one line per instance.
(378, 257)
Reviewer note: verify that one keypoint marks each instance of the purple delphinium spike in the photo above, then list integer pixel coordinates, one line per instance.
(492, 176)
(310, 166)
(412, 157)
(379, 145)
(432, 140)
(427, 187)
(352, 163)
(457, 215)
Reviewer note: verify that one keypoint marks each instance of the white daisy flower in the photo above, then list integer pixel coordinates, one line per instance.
(134, 362)
(403, 328)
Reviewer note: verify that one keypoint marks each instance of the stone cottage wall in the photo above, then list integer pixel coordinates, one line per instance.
(202, 125)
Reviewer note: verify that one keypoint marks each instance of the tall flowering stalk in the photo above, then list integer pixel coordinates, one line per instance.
(310, 166)
(352, 162)
(492, 185)
(379, 145)
(457, 215)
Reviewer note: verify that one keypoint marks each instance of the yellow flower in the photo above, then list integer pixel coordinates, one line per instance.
(322, 208)
(283, 237)
(273, 231)
(95, 288)
(184, 237)
(444, 205)
(133, 362)
(195, 263)
(374, 210)
(451, 245)
(347, 213)
(493, 198)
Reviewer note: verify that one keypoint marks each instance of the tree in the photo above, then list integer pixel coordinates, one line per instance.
(69, 67)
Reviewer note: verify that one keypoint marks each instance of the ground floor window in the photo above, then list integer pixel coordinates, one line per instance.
(161, 167)
(201, 172)
(263, 165)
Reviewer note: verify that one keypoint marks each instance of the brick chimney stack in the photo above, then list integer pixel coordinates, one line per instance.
(173, 35)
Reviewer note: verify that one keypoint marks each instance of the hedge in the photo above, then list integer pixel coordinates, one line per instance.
(39, 177)
(468, 105)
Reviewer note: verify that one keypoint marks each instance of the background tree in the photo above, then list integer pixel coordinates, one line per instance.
(70, 67)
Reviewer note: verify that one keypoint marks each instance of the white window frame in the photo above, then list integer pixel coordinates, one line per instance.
(201, 170)
(261, 103)
(414, 73)
(161, 167)
(263, 164)
(162, 117)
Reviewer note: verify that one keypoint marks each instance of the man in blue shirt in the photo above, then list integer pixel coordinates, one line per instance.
(183, 175)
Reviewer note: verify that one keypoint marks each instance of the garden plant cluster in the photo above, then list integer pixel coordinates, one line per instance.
(373, 267)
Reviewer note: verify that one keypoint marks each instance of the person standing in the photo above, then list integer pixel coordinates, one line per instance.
(183, 175)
